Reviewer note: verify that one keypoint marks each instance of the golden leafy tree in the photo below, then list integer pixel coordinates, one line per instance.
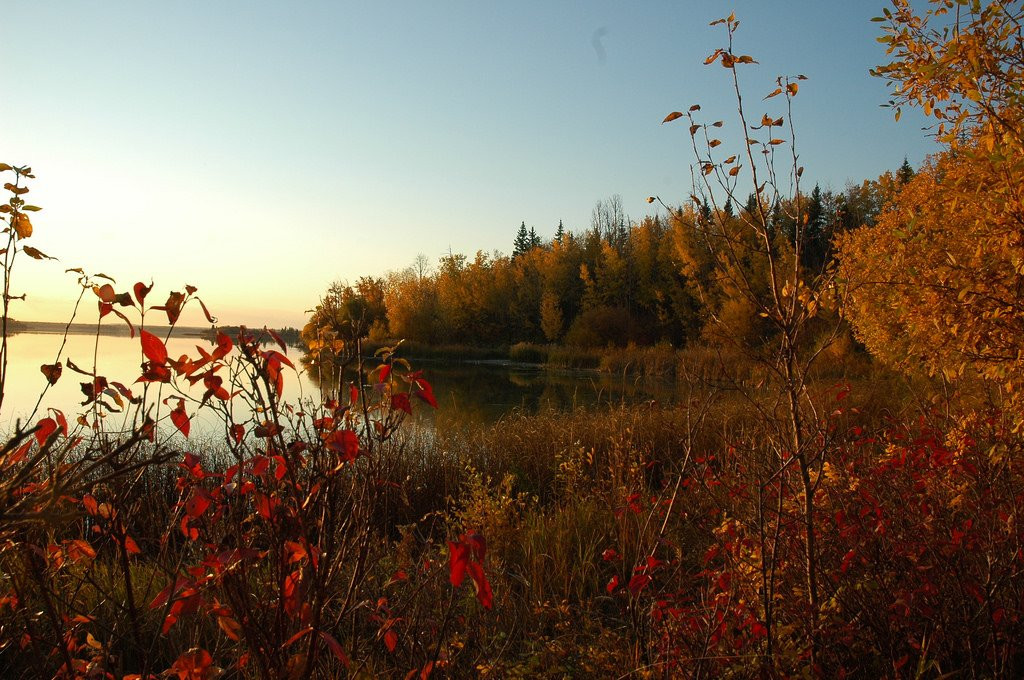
(937, 281)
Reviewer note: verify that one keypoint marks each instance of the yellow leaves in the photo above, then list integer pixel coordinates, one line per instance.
(949, 238)
(735, 171)
(22, 225)
(791, 89)
(672, 116)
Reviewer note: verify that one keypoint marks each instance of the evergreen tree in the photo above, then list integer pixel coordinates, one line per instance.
(560, 232)
(751, 206)
(905, 173)
(534, 239)
(522, 242)
(705, 213)
(727, 209)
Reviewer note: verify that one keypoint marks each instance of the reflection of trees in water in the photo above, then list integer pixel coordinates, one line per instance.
(481, 394)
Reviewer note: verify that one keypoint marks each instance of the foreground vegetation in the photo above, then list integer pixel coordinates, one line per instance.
(806, 510)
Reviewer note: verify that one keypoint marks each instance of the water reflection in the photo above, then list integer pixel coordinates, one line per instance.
(474, 393)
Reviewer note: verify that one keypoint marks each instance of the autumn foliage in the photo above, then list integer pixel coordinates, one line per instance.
(777, 521)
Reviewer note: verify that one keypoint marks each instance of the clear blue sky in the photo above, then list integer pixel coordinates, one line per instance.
(260, 150)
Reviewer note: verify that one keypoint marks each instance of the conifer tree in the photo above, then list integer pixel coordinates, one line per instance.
(522, 242)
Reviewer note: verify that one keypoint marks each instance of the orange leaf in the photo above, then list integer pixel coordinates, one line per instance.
(672, 116)
(131, 546)
(22, 225)
(230, 627)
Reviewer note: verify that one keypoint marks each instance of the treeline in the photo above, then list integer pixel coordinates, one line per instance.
(619, 281)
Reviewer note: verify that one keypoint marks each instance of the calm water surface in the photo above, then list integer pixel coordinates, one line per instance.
(465, 392)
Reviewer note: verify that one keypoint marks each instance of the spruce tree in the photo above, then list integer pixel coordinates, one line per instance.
(906, 172)
(534, 239)
(522, 242)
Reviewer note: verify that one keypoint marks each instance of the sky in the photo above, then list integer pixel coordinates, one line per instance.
(261, 150)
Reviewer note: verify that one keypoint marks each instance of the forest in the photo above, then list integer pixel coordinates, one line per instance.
(836, 496)
(615, 283)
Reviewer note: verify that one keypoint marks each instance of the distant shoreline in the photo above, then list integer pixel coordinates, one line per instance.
(110, 329)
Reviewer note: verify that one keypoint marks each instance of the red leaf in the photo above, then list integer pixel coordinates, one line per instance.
(141, 291)
(20, 454)
(345, 442)
(180, 418)
(425, 392)
(277, 339)
(224, 346)
(385, 371)
(209, 317)
(292, 592)
(390, 640)
(193, 665)
(61, 420)
(153, 347)
(458, 558)
(335, 648)
(638, 583)
(47, 426)
(298, 636)
(483, 587)
(131, 328)
(400, 401)
(105, 292)
(237, 433)
(173, 306)
(168, 592)
(353, 394)
(198, 502)
(612, 585)
(847, 559)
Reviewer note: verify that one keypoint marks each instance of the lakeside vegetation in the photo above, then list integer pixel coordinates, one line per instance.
(838, 495)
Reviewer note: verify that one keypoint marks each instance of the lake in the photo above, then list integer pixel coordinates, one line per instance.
(477, 393)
